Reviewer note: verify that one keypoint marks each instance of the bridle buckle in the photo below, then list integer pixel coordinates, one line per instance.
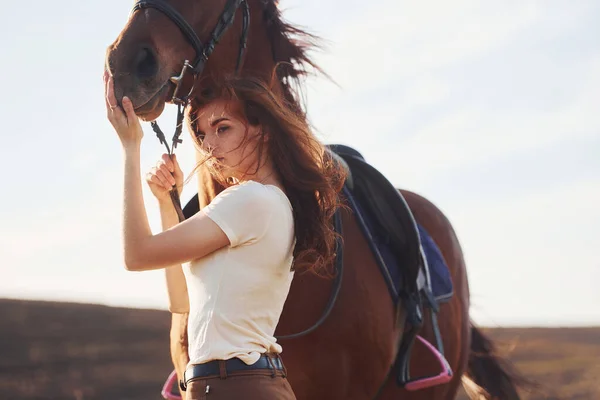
(177, 81)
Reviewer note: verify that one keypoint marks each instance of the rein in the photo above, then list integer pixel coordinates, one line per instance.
(337, 284)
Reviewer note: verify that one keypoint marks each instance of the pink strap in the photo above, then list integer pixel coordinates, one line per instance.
(443, 377)
(166, 390)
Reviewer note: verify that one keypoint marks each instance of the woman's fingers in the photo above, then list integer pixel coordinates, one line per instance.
(162, 175)
(165, 176)
(175, 162)
(168, 162)
(171, 162)
(108, 105)
(155, 183)
(129, 111)
(110, 93)
(164, 182)
(171, 168)
(112, 107)
(151, 178)
(158, 179)
(177, 172)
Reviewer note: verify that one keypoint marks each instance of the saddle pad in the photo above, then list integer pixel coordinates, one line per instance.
(439, 275)
(440, 279)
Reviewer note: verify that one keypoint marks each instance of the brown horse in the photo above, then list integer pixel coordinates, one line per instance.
(350, 354)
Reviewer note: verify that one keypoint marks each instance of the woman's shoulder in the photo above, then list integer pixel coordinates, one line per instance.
(245, 211)
(251, 189)
(253, 194)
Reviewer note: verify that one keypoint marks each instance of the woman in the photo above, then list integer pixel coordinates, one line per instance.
(240, 252)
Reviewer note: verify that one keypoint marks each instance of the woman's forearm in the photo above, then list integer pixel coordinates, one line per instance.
(136, 229)
(168, 215)
(175, 279)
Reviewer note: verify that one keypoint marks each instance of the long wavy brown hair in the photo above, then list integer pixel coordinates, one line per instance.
(310, 176)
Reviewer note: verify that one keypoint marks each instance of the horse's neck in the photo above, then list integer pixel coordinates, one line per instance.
(259, 50)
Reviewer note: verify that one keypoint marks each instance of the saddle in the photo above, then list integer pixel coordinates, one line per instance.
(401, 248)
(384, 217)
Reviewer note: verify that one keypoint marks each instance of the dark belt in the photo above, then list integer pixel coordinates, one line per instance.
(212, 368)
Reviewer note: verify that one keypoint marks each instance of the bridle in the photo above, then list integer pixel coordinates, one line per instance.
(197, 66)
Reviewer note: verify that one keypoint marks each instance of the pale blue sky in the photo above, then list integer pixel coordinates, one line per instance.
(489, 109)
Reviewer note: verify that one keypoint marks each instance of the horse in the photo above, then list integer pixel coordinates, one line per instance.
(353, 350)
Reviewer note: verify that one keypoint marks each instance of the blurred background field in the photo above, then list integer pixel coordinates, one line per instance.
(54, 350)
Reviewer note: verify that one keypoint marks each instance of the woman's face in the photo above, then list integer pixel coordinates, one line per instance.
(229, 141)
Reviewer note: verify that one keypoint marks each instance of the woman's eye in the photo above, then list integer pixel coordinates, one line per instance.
(222, 129)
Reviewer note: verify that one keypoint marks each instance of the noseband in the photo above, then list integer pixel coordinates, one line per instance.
(197, 66)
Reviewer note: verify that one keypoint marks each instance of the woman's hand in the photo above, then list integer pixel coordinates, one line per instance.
(163, 176)
(124, 120)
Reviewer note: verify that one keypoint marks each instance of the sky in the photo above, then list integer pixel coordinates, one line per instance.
(491, 110)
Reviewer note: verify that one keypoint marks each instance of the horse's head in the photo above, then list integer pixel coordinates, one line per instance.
(154, 44)
(160, 35)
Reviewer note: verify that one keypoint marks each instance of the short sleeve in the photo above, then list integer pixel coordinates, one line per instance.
(243, 212)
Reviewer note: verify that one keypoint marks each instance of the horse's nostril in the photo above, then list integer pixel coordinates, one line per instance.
(146, 65)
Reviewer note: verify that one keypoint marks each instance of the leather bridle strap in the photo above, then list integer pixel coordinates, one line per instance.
(225, 22)
(202, 51)
(244, 38)
(174, 16)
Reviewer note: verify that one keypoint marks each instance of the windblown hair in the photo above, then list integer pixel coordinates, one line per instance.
(310, 176)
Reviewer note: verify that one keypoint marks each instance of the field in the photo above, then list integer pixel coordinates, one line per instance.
(81, 351)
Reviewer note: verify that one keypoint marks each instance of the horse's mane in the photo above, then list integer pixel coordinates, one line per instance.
(290, 45)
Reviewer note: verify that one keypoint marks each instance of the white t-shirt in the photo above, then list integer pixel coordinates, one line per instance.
(237, 293)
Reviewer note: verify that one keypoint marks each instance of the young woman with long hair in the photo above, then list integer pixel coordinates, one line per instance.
(239, 253)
